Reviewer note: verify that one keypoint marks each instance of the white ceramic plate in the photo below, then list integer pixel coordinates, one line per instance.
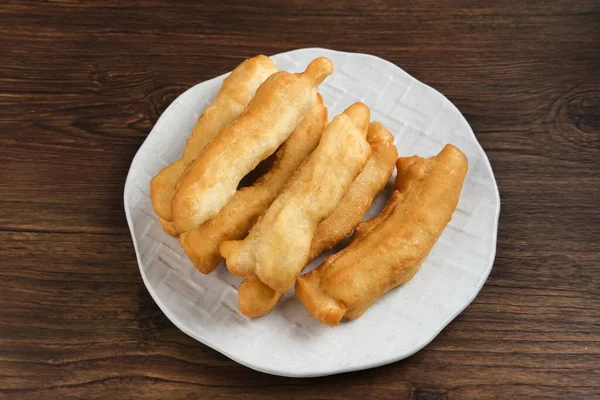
(289, 341)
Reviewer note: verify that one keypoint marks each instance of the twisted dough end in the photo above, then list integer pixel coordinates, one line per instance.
(319, 69)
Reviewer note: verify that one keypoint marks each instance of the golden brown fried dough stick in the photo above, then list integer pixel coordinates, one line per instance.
(360, 195)
(233, 97)
(388, 251)
(278, 106)
(237, 217)
(278, 246)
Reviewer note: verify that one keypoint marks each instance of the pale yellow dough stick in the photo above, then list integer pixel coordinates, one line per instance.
(237, 217)
(357, 201)
(233, 97)
(387, 251)
(278, 246)
(278, 106)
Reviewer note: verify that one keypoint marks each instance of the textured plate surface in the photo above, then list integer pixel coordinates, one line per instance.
(289, 341)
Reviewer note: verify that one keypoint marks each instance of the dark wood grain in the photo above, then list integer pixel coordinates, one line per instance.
(82, 83)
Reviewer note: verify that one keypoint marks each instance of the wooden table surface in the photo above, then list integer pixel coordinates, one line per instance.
(81, 85)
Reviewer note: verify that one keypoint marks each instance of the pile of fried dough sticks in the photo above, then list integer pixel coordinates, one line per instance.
(320, 184)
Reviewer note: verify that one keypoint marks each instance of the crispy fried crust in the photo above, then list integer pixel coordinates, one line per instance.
(388, 250)
(360, 195)
(277, 108)
(278, 246)
(237, 217)
(235, 94)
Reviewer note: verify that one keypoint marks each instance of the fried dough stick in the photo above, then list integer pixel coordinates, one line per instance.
(278, 106)
(278, 246)
(357, 201)
(233, 97)
(388, 250)
(241, 212)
